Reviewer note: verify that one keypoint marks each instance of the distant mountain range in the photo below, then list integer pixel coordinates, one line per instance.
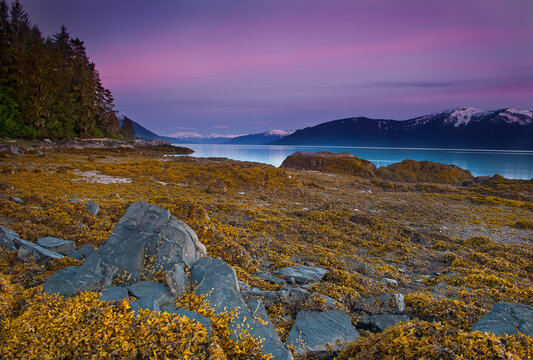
(459, 128)
(247, 139)
(261, 138)
(195, 138)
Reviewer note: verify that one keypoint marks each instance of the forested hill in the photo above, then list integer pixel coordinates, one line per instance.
(48, 85)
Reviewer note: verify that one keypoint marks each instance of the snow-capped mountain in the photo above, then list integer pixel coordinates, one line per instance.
(261, 138)
(466, 127)
(195, 138)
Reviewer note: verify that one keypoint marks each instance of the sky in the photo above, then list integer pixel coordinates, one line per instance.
(241, 66)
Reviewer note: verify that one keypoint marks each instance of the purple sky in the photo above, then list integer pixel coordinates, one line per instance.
(241, 66)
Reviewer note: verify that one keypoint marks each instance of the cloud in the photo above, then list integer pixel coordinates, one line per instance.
(220, 127)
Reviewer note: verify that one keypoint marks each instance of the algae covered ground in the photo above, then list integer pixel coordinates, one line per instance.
(453, 251)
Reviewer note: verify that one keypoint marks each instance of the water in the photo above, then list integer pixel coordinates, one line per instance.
(512, 164)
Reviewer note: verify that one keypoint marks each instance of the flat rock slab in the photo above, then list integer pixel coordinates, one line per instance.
(270, 278)
(55, 244)
(114, 293)
(147, 239)
(507, 318)
(290, 296)
(218, 282)
(7, 237)
(28, 251)
(381, 304)
(321, 331)
(301, 274)
(381, 322)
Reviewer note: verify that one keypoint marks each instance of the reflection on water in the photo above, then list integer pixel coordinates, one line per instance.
(513, 164)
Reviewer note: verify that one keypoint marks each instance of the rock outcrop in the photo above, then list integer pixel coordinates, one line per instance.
(55, 244)
(343, 163)
(425, 171)
(507, 318)
(7, 237)
(218, 282)
(321, 331)
(147, 239)
(301, 274)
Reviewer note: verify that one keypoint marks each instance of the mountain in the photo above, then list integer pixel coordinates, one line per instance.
(140, 131)
(459, 128)
(195, 138)
(261, 138)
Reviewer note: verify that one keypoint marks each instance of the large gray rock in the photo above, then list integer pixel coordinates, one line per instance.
(321, 331)
(72, 280)
(7, 237)
(218, 281)
(507, 318)
(82, 252)
(114, 293)
(28, 251)
(381, 304)
(150, 295)
(290, 296)
(177, 281)
(301, 274)
(270, 278)
(147, 239)
(380, 322)
(55, 244)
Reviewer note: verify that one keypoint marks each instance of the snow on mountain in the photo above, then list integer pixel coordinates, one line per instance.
(517, 116)
(280, 133)
(193, 135)
(463, 116)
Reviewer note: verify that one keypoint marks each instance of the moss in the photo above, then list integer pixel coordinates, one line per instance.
(424, 340)
(343, 163)
(424, 171)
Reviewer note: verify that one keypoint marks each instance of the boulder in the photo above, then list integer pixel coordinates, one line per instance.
(507, 318)
(290, 296)
(321, 331)
(380, 322)
(150, 295)
(55, 244)
(381, 304)
(302, 274)
(82, 252)
(147, 239)
(270, 278)
(324, 161)
(28, 251)
(114, 293)
(92, 207)
(72, 280)
(177, 281)
(7, 237)
(218, 282)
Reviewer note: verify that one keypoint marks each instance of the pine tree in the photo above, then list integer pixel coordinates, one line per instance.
(127, 130)
(48, 87)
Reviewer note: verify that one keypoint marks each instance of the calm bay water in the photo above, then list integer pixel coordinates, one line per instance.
(512, 164)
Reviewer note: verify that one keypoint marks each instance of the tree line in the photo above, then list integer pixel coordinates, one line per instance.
(48, 86)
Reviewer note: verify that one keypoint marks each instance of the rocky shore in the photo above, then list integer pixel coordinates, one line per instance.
(212, 258)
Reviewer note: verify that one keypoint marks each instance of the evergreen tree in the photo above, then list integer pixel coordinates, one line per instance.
(127, 130)
(48, 87)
